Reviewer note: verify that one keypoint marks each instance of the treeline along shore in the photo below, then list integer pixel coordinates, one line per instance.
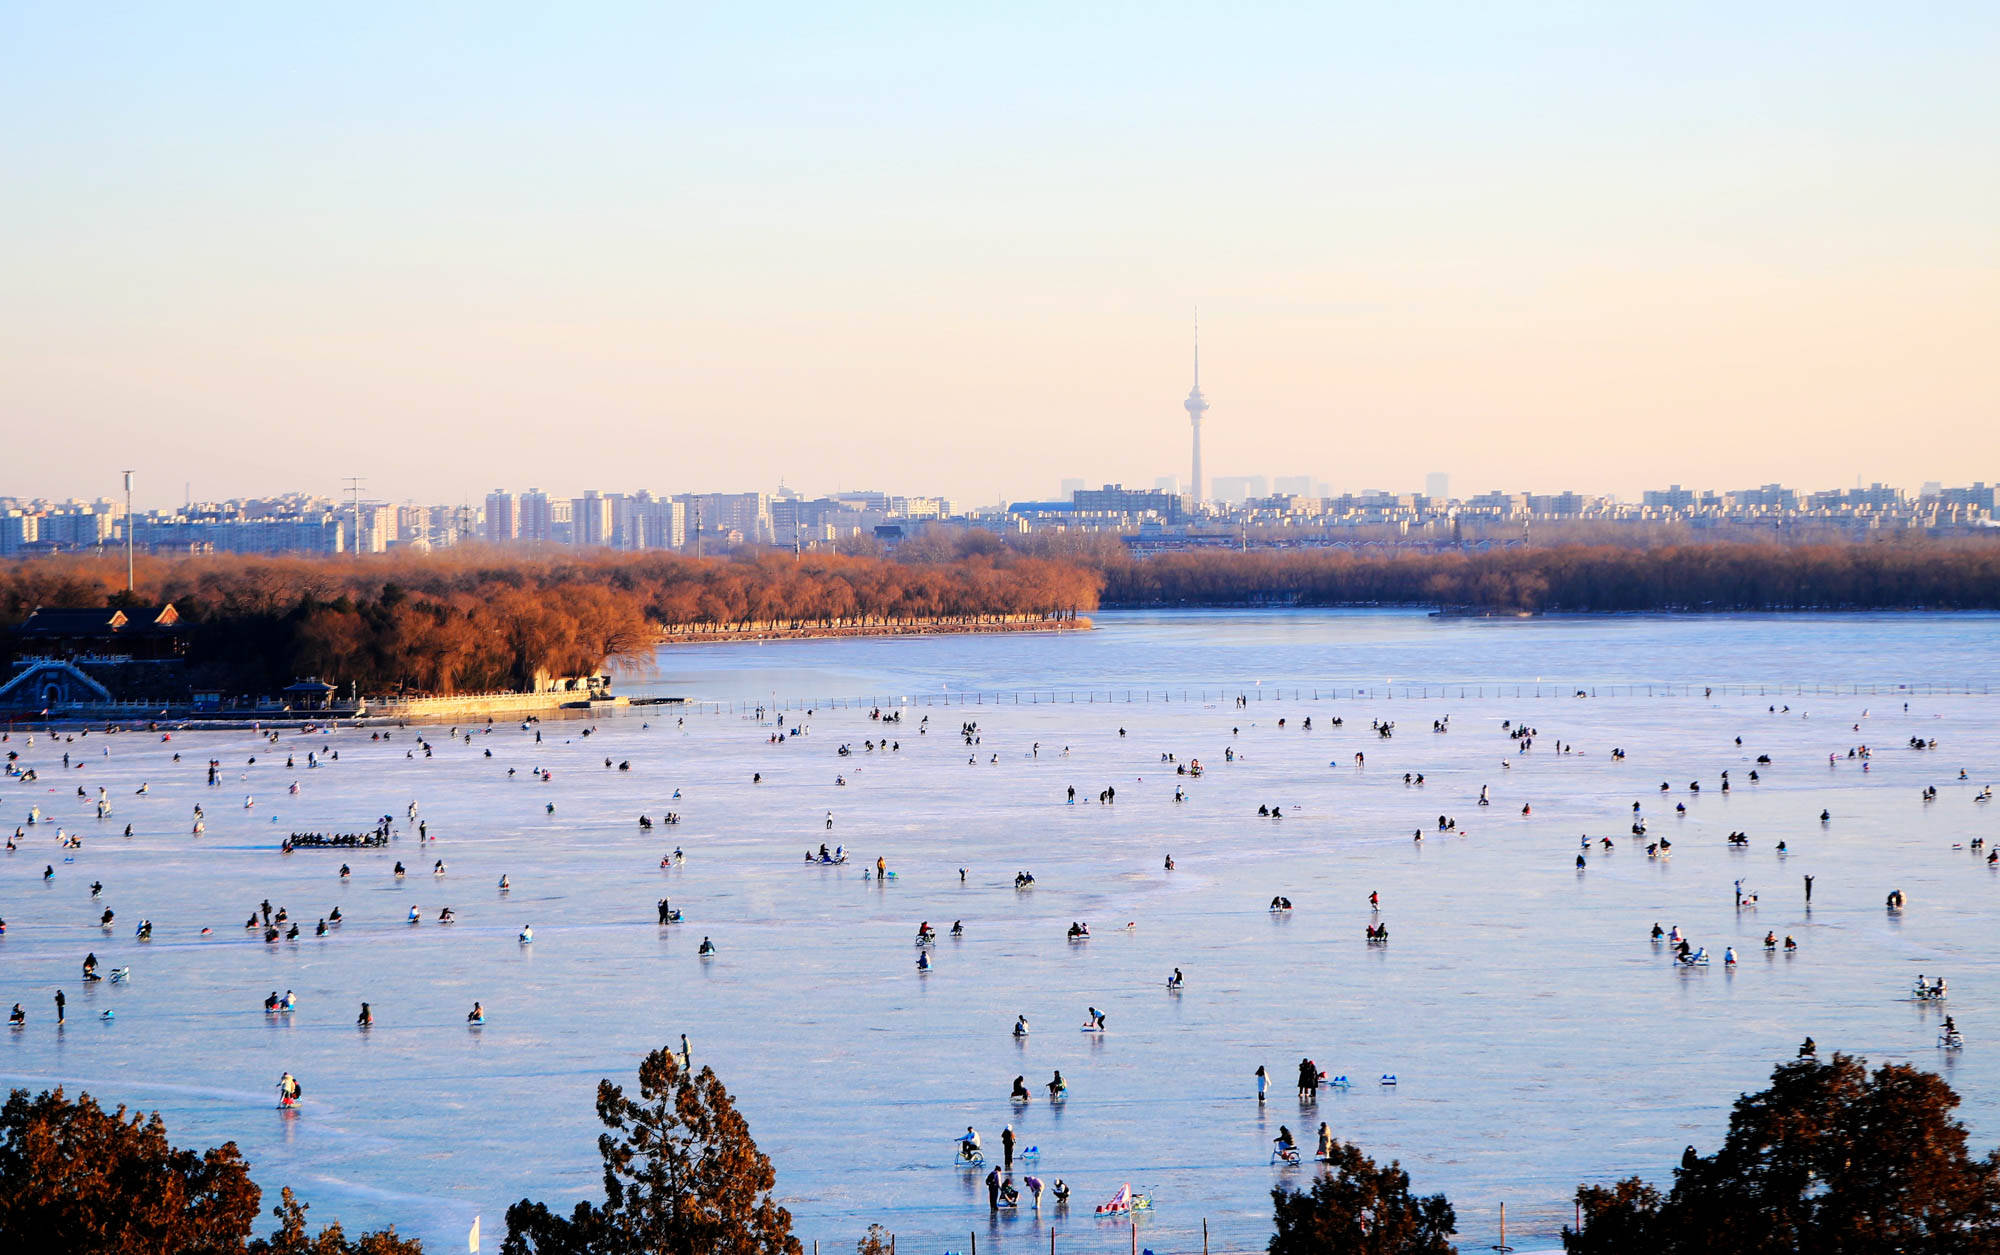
(485, 620)
(482, 620)
(1912, 575)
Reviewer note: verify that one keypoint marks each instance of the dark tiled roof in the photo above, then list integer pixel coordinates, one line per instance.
(98, 621)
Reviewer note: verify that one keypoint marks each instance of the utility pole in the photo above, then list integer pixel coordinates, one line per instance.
(128, 531)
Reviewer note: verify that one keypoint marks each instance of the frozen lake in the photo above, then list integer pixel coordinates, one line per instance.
(1538, 1037)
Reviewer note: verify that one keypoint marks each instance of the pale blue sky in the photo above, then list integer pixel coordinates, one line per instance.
(621, 246)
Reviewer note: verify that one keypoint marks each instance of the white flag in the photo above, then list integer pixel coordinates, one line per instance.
(472, 1239)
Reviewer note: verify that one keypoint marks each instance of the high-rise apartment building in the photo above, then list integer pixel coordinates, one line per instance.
(537, 518)
(79, 526)
(370, 526)
(18, 528)
(503, 518)
(320, 532)
(721, 516)
(590, 520)
(1437, 486)
(1118, 499)
(413, 524)
(654, 522)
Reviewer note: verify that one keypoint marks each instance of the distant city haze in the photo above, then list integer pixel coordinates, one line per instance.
(928, 250)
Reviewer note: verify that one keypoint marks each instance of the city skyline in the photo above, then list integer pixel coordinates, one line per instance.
(1249, 511)
(1571, 246)
(1225, 490)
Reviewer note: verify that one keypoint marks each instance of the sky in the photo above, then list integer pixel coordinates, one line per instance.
(957, 249)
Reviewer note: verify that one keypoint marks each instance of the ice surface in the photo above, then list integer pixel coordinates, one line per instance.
(1538, 1038)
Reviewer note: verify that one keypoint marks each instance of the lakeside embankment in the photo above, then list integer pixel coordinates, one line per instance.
(471, 707)
(485, 623)
(938, 625)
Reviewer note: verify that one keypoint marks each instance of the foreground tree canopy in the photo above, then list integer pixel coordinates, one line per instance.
(1359, 1207)
(681, 1177)
(1829, 1159)
(78, 1180)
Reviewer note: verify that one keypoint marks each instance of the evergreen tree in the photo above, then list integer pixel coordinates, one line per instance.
(681, 1177)
(1357, 1207)
(1828, 1159)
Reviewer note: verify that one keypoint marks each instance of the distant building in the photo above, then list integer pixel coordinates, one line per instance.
(1769, 497)
(1236, 489)
(69, 656)
(628, 527)
(1437, 486)
(413, 524)
(1979, 497)
(503, 519)
(317, 533)
(18, 528)
(1499, 504)
(1118, 499)
(147, 632)
(1562, 504)
(590, 520)
(561, 515)
(537, 518)
(76, 527)
(1071, 487)
(643, 521)
(920, 508)
(373, 526)
(1873, 497)
(713, 516)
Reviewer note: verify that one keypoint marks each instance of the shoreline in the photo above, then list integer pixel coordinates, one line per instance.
(975, 625)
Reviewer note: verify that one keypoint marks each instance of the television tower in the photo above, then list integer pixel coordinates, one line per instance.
(1196, 406)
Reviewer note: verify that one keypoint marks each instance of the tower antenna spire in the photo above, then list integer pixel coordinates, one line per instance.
(1196, 406)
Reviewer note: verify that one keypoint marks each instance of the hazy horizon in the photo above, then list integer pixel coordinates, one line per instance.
(622, 247)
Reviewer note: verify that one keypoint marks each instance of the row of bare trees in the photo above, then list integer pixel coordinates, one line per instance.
(1943, 575)
(482, 620)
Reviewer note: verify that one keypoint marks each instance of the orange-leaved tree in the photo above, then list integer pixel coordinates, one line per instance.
(80, 1180)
